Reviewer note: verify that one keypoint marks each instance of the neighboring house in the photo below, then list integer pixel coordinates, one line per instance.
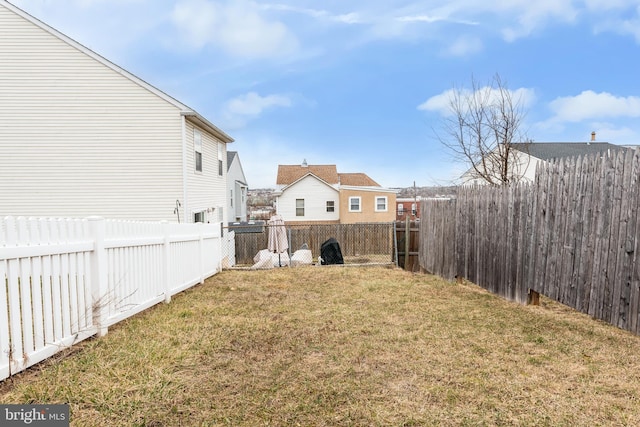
(530, 154)
(236, 188)
(319, 194)
(408, 207)
(81, 136)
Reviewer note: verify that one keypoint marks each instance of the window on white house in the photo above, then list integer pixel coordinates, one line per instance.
(198, 217)
(231, 197)
(381, 204)
(220, 165)
(197, 148)
(299, 207)
(331, 206)
(354, 204)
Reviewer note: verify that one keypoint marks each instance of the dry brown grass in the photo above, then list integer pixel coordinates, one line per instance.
(325, 346)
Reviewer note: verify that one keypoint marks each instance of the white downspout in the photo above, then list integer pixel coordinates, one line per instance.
(185, 194)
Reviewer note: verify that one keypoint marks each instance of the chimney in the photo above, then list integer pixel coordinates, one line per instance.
(593, 136)
(304, 163)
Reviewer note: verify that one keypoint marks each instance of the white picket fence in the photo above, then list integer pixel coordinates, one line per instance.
(65, 280)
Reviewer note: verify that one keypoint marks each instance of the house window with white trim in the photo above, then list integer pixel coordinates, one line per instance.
(354, 204)
(199, 216)
(381, 204)
(197, 148)
(220, 165)
(299, 207)
(400, 209)
(231, 197)
(331, 206)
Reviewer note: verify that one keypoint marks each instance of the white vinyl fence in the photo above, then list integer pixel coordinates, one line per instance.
(64, 280)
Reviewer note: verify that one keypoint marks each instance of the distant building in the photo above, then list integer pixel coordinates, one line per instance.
(408, 207)
(319, 194)
(530, 154)
(237, 188)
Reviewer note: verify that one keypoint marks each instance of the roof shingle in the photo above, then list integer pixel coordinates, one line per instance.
(357, 180)
(560, 150)
(288, 174)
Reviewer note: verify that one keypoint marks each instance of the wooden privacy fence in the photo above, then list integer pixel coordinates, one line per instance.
(408, 244)
(572, 235)
(359, 243)
(64, 280)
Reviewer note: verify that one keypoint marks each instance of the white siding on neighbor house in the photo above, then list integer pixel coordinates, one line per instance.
(78, 138)
(315, 194)
(524, 167)
(206, 190)
(235, 178)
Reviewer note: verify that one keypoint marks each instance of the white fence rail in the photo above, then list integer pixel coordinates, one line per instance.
(64, 280)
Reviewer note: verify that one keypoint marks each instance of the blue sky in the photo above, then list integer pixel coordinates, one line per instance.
(362, 84)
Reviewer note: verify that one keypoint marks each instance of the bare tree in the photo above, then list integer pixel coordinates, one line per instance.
(483, 125)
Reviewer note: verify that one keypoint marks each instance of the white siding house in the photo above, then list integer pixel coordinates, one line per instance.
(237, 188)
(527, 156)
(81, 136)
(309, 199)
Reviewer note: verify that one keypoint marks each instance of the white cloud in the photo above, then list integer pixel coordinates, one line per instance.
(611, 133)
(420, 18)
(590, 105)
(252, 104)
(236, 26)
(533, 15)
(464, 46)
(630, 25)
(239, 110)
(345, 18)
(441, 103)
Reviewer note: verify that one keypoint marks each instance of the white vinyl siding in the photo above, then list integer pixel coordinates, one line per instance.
(237, 204)
(79, 138)
(206, 190)
(315, 194)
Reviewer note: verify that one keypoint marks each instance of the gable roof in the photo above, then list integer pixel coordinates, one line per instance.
(357, 180)
(560, 150)
(186, 111)
(288, 174)
(230, 156)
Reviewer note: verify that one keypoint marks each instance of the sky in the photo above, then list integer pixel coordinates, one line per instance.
(363, 84)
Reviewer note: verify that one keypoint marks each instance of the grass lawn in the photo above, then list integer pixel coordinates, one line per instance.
(357, 346)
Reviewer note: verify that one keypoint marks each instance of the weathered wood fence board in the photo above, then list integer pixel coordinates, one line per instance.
(408, 261)
(572, 235)
(361, 243)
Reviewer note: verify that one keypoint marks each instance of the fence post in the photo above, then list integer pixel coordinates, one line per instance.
(407, 241)
(99, 285)
(201, 250)
(225, 249)
(165, 262)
